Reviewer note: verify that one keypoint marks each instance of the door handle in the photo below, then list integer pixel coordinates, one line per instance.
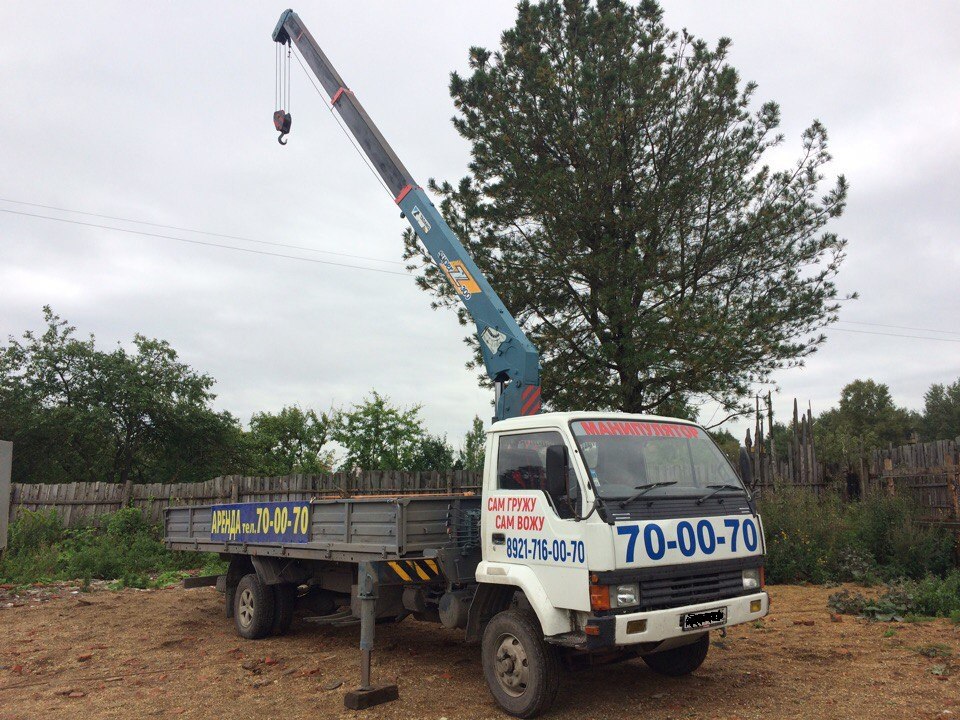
(499, 539)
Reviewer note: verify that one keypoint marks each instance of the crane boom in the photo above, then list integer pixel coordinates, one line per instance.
(511, 360)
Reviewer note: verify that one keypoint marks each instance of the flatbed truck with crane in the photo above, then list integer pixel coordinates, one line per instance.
(596, 536)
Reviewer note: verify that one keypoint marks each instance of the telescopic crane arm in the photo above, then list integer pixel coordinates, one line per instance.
(511, 361)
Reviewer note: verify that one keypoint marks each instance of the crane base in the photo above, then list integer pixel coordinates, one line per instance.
(364, 698)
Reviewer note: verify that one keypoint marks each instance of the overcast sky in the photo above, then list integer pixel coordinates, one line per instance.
(161, 112)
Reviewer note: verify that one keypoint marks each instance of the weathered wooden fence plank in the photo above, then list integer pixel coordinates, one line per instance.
(85, 503)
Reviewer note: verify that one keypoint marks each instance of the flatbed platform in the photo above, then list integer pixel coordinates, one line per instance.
(354, 529)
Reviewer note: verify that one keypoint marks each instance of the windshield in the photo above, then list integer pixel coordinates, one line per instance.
(623, 457)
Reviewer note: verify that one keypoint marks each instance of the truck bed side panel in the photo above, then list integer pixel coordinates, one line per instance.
(380, 528)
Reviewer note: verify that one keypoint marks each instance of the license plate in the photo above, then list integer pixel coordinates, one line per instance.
(703, 619)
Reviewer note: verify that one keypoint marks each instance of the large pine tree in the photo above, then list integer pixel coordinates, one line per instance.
(619, 201)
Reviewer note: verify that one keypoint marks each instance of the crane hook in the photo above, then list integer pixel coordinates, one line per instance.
(282, 121)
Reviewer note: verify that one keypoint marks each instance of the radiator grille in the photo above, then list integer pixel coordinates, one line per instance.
(689, 588)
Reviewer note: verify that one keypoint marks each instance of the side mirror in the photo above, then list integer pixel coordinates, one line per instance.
(746, 469)
(557, 463)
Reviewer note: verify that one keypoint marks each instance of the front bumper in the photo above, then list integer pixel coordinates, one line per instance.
(663, 625)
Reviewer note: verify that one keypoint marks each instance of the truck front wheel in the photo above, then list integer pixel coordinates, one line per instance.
(253, 604)
(681, 660)
(522, 671)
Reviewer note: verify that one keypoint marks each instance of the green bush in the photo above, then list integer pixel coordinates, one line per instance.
(34, 529)
(126, 547)
(931, 596)
(819, 540)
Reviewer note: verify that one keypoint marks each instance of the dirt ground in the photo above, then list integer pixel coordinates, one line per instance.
(172, 653)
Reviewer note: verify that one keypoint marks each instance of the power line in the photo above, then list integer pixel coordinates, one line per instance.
(207, 244)
(199, 232)
(912, 337)
(899, 327)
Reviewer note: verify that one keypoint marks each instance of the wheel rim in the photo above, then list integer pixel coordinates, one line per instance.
(245, 611)
(512, 669)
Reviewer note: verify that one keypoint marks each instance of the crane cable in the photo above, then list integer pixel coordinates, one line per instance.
(350, 138)
(281, 93)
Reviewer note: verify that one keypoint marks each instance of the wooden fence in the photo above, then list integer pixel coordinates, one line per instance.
(83, 503)
(928, 472)
(796, 465)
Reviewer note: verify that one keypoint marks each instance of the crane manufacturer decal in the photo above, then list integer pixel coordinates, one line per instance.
(421, 219)
(459, 276)
(492, 338)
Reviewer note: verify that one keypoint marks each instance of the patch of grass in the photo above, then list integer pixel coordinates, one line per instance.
(905, 600)
(125, 548)
(935, 650)
(890, 633)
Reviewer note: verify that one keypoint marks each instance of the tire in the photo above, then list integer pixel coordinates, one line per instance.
(679, 661)
(284, 603)
(253, 605)
(521, 669)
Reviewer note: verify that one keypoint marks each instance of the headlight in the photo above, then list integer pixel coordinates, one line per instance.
(625, 595)
(751, 579)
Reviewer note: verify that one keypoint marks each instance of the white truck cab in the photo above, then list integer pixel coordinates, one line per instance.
(625, 533)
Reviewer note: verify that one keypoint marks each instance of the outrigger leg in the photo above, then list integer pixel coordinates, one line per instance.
(368, 695)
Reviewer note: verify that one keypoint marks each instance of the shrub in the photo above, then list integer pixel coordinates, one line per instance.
(34, 529)
(126, 548)
(824, 539)
(930, 596)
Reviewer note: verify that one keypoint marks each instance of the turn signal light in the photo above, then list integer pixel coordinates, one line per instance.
(599, 597)
(755, 606)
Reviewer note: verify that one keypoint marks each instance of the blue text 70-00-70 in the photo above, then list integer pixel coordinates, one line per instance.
(689, 539)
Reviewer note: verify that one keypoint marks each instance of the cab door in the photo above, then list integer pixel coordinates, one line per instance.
(524, 524)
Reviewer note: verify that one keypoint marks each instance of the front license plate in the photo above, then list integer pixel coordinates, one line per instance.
(704, 619)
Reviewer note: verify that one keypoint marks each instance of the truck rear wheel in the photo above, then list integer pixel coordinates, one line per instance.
(521, 669)
(681, 660)
(253, 605)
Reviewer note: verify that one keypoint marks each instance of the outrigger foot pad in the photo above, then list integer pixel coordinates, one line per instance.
(363, 698)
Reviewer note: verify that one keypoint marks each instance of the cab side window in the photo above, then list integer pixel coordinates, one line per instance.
(522, 464)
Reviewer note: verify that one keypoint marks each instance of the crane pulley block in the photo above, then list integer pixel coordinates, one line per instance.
(282, 120)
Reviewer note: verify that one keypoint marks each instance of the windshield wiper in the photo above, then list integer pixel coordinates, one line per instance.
(644, 489)
(719, 488)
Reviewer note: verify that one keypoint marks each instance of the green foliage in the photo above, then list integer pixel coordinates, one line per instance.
(728, 444)
(866, 418)
(433, 454)
(125, 547)
(905, 599)
(620, 201)
(34, 529)
(941, 412)
(935, 650)
(471, 453)
(78, 413)
(379, 436)
(823, 539)
(288, 442)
